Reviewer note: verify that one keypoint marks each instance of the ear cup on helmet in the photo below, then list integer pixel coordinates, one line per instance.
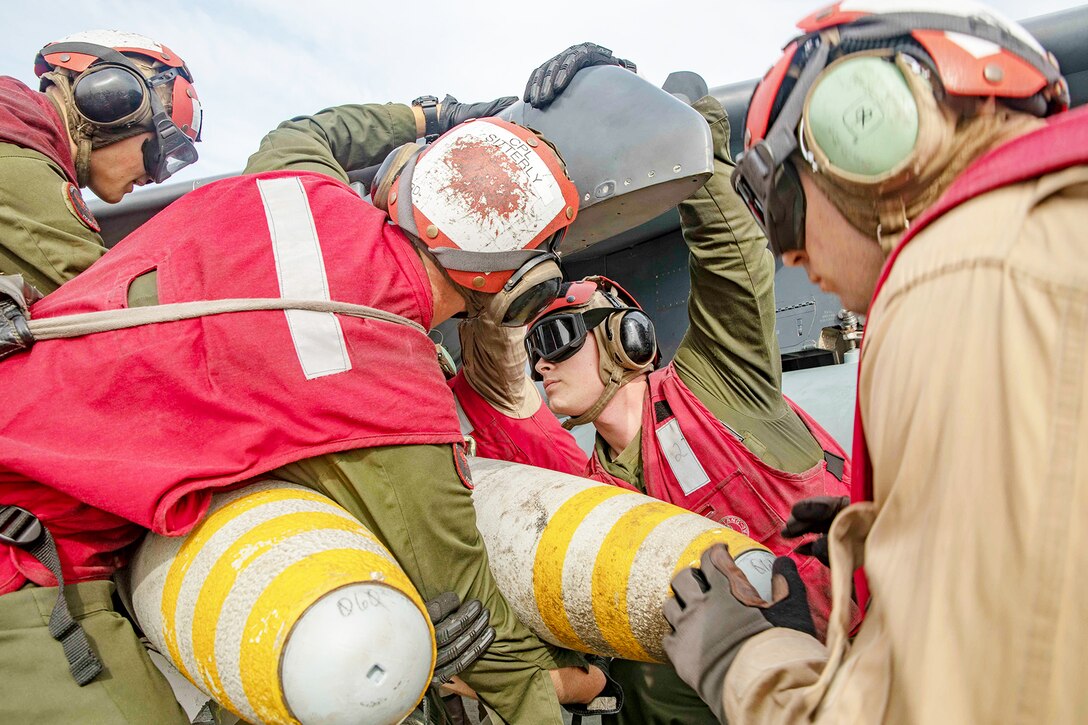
(388, 172)
(632, 339)
(108, 95)
(862, 116)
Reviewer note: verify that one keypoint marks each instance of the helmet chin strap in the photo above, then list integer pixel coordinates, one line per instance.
(610, 389)
(79, 132)
(618, 376)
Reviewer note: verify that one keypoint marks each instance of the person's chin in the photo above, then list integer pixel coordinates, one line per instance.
(111, 196)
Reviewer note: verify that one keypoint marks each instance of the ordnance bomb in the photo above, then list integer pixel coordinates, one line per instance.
(285, 609)
(586, 565)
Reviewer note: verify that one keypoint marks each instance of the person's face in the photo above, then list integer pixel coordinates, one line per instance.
(573, 385)
(838, 258)
(116, 168)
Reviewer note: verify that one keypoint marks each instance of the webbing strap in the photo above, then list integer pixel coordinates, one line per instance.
(87, 323)
(82, 661)
(464, 260)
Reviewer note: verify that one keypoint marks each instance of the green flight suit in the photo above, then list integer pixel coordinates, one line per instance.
(411, 496)
(729, 358)
(41, 237)
(36, 684)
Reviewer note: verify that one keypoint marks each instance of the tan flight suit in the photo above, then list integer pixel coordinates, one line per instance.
(973, 395)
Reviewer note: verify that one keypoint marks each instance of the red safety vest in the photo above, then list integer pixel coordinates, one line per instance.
(141, 425)
(538, 440)
(1062, 143)
(693, 460)
(28, 119)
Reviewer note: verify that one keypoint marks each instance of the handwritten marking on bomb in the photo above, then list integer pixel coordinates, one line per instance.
(360, 601)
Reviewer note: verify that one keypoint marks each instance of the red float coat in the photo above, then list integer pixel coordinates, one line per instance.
(1062, 143)
(107, 434)
(538, 440)
(28, 119)
(691, 459)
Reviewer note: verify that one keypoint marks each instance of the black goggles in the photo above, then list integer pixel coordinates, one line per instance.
(525, 304)
(765, 178)
(559, 336)
(775, 197)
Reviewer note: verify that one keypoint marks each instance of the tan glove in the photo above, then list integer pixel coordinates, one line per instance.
(494, 361)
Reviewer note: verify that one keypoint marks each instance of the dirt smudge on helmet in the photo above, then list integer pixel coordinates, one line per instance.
(485, 179)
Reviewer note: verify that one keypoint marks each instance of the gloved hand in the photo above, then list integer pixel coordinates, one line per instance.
(709, 624)
(461, 633)
(16, 296)
(549, 80)
(609, 701)
(454, 113)
(814, 516)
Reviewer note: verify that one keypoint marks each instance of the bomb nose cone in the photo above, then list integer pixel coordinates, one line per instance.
(344, 665)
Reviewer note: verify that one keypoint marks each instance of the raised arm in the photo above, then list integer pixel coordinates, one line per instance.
(337, 140)
(346, 138)
(730, 347)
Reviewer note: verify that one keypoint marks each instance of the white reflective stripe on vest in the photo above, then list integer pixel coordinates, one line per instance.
(466, 426)
(689, 473)
(300, 268)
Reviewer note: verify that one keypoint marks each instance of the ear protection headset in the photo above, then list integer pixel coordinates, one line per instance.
(856, 105)
(628, 333)
(114, 97)
(861, 118)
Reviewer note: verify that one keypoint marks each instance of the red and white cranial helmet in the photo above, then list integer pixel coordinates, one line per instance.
(185, 110)
(485, 198)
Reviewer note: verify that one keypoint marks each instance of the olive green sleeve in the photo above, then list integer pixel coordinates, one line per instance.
(335, 140)
(41, 237)
(729, 356)
(730, 346)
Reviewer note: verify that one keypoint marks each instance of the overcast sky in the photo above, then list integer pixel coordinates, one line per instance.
(256, 63)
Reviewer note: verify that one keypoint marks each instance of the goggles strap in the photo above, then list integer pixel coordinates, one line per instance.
(78, 131)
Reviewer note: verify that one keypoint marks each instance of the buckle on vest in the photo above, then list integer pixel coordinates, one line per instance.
(19, 527)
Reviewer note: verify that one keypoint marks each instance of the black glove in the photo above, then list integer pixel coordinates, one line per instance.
(814, 516)
(549, 80)
(454, 113)
(16, 296)
(789, 606)
(461, 633)
(710, 623)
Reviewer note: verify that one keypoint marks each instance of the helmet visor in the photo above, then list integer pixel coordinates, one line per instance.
(168, 150)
